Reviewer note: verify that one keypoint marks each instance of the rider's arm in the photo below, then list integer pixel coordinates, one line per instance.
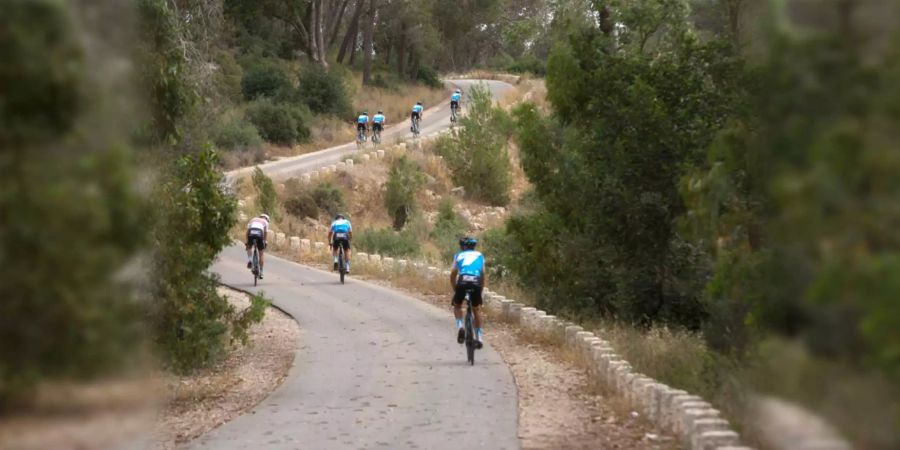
(453, 273)
(484, 275)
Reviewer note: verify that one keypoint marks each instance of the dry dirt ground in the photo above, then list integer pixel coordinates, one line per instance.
(206, 400)
(173, 410)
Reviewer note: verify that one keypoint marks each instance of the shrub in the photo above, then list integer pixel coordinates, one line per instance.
(448, 228)
(236, 134)
(386, 241)
(298, 201)
(404, 180)
(329, 198)
(476, 154)
(429, 77)
(266, 197)
(228, 77)
(324, 91)
(192, 323)
(267, 79)
(279, 123)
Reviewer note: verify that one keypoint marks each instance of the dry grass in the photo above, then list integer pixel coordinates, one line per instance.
(396, 103)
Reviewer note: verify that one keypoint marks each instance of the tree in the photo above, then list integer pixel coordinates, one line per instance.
(404, 180)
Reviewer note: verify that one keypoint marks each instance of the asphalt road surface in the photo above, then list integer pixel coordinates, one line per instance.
(376, 369)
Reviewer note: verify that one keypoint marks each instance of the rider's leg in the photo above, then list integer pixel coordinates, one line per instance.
(347, 257)
(458, 296)
(476, 308)
(334, 254)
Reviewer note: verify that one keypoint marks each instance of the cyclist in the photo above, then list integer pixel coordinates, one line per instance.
(378, 122)
(340, 233)
(468, 272)
(454, 100)
(257, 230)
(417, 112)
(362, 124)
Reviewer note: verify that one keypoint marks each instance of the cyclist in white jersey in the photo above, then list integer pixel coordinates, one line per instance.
(256, 236)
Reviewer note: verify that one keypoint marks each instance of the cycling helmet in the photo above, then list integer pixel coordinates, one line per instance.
(264, 216)
(365, 113)
(339, 216)
(458, 91)
(468, 243)
(380, 112)
(418, 103)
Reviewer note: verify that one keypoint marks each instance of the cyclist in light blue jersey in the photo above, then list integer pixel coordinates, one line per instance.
(378, 121)
(362, 124)
(417, 111)
(455, 98)
(468, 273)
(340, 234)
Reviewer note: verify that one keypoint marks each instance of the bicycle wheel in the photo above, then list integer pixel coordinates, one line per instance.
(470, 337)
(255, 265)
(341, 269)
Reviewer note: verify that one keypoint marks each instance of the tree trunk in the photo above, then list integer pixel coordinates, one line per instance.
(368, 41)
(352, 31)
(401, 51)
(320, 38)
(335, 25)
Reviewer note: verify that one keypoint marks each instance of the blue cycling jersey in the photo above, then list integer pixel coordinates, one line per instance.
(456, 96)
(341, 226)
(469, 262)
(379, 118)
(362, 119)
(417, 109)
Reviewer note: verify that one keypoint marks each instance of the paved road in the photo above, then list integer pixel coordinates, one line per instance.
(436, 119)
(376, 369)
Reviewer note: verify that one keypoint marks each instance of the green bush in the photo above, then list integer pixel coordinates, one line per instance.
(235, 134)
(429, 77)
(266, 197)
(324, 91)
(329, 198)
(448, 228)
(404, 179)
(386, 241)
(477, 154)
(72, 216)
(192, 323)
(298, 200)
(279, 123)
(267, 79)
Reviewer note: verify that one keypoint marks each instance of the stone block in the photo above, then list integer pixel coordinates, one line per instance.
(380, 153)
(515, 312)
(295, 242)
(571, 331)
(365, 157)
(701, 426)
(280, 238)
(349, 162)
(360, 256)
(712, 440)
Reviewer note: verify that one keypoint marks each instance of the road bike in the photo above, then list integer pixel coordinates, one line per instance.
(376, 137)
(415, 127)
(254, 264)
(470, 328)
(360, 138)
(454, 113)
(341, 263)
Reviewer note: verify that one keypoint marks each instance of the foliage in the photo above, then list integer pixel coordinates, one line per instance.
(171, 96)
(72, 216)
(266, 197)
(279, 123)
(235, 134)
(191, 321)
(448, 228)
(329, 198)
(610, 145)
(298, 200)
(386, 241)
(477, 154)
(429, 77)
(267, 79)
(324, 91)
(404, 180)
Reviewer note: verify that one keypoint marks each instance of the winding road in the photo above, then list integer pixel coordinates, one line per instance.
(376, 369)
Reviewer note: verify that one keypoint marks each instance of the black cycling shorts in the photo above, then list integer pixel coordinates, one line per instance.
(460, 294)
(454, 104)
(377, 126)
(255, 239)
(343, 242)
(415, 115)
(360, 126)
